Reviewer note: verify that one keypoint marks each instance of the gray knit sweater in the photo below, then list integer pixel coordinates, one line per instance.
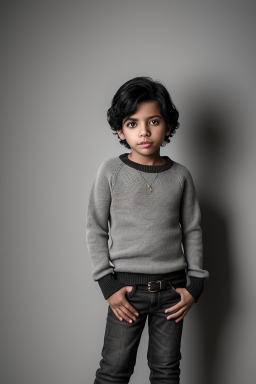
(133, 229)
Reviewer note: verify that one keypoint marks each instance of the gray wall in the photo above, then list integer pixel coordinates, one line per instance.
(61, 64)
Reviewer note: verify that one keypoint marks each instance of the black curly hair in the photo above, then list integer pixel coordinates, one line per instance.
(135, 91)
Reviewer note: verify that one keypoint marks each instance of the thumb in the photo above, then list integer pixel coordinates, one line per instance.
(129, 288)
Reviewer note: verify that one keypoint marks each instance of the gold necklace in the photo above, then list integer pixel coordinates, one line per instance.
(149, 185)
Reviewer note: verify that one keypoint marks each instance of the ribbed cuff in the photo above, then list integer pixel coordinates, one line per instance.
(196, 287)
(109, 285)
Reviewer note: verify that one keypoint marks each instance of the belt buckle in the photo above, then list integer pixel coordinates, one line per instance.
(159, 282)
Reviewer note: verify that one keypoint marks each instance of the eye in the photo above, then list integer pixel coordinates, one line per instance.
(131, 124)
(154, 122)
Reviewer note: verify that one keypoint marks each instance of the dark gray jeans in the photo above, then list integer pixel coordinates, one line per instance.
(122, 339)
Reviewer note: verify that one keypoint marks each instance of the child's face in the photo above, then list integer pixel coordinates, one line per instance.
(146, 124)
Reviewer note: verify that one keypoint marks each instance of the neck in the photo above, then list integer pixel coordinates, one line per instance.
(147, 160)
(147, 168)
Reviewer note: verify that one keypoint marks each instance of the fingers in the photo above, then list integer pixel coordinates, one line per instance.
(176, 314)
(125, 312)
(126, 315)
(175, 307)
(184, 304)
(121, 307)
(182, 316)
(116, 314)
(131, 309)
(178, 311)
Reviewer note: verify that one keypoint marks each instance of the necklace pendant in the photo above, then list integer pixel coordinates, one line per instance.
(150, 188)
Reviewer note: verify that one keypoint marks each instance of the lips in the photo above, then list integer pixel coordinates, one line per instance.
(145, 142)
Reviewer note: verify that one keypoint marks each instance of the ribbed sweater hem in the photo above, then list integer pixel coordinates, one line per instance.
(111, 283)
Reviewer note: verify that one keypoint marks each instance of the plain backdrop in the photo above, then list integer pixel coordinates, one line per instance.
(61, 63)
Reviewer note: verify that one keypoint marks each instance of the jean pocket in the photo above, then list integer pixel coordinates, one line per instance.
(173, 290)
(130, 294)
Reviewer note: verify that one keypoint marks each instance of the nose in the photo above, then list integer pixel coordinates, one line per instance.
(144, 131)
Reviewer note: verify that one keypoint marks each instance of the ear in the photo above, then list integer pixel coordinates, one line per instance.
(168, 129)
(120, 134)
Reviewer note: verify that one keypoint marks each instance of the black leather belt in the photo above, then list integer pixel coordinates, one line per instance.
(158, 285)
(153, 283)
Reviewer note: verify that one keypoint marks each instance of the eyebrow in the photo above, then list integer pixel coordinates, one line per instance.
(132, 118)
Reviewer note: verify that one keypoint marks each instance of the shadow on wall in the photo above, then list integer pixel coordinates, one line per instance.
(213, 135)
(216, 303)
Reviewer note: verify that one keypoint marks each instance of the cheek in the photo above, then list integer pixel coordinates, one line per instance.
(162, 133)
(126, 135)
(131, 136)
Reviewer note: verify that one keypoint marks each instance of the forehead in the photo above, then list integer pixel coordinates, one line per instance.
(147, 108)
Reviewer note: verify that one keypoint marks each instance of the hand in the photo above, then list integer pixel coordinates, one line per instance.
(182, 307)
(121, 306)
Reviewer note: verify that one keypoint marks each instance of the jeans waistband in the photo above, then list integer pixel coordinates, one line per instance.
(177, 278)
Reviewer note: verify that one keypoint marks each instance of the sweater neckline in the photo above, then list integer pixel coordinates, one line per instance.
(147, 168)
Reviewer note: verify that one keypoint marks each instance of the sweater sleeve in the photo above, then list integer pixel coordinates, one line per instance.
(97, 231)
(190, 220)
(196, 287)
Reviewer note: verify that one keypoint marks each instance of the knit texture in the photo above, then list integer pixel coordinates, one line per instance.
(132, 229)
(196, 287)
(111, 283)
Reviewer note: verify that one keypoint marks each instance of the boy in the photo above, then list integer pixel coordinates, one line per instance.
(147, 205)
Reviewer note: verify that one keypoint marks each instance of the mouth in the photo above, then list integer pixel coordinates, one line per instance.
(145, 143)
